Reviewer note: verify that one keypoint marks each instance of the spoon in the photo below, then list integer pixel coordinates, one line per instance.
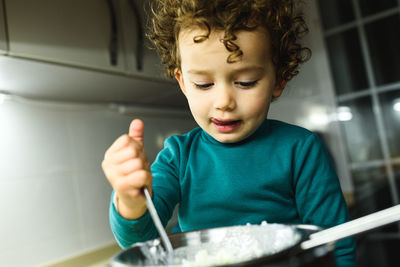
(158, 224)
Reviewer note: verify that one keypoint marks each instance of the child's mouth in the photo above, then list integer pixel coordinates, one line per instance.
(226, 126)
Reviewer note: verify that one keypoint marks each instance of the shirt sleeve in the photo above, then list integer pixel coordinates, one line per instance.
(319, 197)
(128, 232)
(165, 197)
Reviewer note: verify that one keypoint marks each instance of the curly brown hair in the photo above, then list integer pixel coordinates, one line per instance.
(285, 26)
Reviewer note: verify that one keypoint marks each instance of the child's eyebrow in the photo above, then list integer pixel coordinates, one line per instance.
(202, 72)
(237, 70)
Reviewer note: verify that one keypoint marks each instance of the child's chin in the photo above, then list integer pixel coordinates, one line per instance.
(226, 139)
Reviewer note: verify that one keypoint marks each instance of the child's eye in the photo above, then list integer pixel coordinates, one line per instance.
(203, 85)
(247, 84)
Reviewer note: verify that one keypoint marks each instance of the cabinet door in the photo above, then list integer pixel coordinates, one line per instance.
(140, 59)
(3, 35)
(73, 32)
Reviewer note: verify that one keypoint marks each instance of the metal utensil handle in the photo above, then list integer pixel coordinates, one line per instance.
(157, 221)
(357, 226)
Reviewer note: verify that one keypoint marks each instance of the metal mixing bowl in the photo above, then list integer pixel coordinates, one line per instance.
(276, 245)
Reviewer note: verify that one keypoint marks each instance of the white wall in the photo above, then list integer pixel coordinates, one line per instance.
(53, 195)
(308, 99)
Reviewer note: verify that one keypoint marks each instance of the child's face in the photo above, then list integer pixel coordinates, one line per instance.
(228, 100)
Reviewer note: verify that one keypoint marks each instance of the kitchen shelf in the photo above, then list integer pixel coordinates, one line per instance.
(51, 81)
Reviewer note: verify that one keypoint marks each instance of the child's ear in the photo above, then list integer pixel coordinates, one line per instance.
(179, 78)
(279, 87)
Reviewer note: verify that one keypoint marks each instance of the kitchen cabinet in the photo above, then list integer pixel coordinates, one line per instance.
(141, 60)
(99, 34)
(3, 34)
(39, 80)
(61, 50)
(73, 32)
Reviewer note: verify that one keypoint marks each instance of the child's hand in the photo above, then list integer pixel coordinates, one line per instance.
(127, 169)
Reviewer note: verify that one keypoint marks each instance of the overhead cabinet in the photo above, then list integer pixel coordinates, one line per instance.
(82, 50)
(100, 34)
(140, 58)
(64, 31)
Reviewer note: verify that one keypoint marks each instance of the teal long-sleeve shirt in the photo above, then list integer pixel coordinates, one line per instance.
(280, 174)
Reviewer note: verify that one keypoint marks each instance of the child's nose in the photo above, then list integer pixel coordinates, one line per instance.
(224, 99)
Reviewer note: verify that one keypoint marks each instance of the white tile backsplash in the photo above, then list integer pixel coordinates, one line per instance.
(32, 141)
(54, 197)
(94, 197)
(91, 133)
(39, 212)
(36, 254)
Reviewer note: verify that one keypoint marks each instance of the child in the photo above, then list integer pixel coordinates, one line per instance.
(231, 58)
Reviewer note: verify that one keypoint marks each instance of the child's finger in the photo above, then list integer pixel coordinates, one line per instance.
(130, 166)
(136, 130)
(126, 153)
(118, 144)
(133, 181)
(140, 178)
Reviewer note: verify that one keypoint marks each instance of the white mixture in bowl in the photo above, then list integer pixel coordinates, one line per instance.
(236, 244)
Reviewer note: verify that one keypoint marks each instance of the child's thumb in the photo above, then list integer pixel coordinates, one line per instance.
(136, 130)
